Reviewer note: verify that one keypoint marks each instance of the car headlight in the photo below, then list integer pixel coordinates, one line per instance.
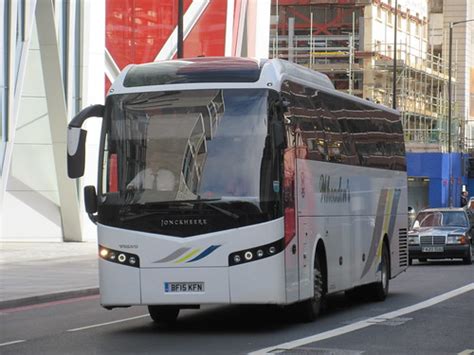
(457, 239)
(413, 240)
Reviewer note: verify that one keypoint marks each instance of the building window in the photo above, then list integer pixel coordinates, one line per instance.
(69, 41)
(379, 13)
(76, 54)
(20, 36)
(4, 75)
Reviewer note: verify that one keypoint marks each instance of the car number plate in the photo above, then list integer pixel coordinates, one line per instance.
(184, 287)
(432, 249)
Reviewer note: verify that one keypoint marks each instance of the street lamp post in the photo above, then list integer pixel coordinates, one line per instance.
(180, 29)
(395, 30)
(450, 63)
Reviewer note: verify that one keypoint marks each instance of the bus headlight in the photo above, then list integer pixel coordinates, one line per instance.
(257, 253)
(104, 252)
(119, 257)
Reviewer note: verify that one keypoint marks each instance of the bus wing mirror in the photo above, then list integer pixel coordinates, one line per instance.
(90, 202)
(76, 140)
(90, 199)
(76, 152)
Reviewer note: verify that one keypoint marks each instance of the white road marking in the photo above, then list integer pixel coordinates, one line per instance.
(13, 342)
(108, 323)
(467, 352)
(365, 323)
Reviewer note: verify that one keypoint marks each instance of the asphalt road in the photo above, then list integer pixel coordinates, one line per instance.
(81, 326)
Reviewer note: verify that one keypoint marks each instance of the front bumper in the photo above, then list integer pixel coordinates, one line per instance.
(450, 252)
(258, 282)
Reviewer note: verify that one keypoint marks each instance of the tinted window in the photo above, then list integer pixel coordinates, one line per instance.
(196, 70)
(186, 155)
(306, 114)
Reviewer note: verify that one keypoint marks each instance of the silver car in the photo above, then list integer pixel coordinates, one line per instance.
(441, 233)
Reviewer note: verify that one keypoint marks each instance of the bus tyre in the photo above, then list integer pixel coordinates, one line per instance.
(309, 309)
(163, 314)
(468, 259)
(378, 291)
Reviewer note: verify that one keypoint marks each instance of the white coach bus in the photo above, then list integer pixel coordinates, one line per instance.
(241, 181)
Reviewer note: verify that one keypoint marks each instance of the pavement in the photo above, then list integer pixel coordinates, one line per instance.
(32, 273)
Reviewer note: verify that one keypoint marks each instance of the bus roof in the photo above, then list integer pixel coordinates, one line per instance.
(223, 73)
(214, 70)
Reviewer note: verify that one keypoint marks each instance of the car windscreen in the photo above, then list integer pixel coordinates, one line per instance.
(442, 219)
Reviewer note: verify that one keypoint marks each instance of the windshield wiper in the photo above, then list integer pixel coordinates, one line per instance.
(206, 203)
(141, 215)
(178, 202)
(221, 210)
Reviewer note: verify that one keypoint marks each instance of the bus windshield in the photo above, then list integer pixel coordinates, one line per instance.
(210, 152)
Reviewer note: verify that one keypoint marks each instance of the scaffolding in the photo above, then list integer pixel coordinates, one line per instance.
(335, 48)
(422, 95)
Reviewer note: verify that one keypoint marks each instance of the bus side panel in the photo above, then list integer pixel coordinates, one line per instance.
(291, 270)
(311, 230)
(336, 230)
(357, 206)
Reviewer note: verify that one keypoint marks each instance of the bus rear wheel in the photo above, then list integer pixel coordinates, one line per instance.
(309, 309)
(378, 291)
(163, 314)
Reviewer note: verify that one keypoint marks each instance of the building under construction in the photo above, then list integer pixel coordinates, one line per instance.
(352, 41)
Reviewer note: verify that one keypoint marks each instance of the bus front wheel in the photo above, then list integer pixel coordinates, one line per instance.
(163, 314)
(309, 309)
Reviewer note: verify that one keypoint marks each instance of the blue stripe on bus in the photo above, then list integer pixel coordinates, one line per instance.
(204, 253)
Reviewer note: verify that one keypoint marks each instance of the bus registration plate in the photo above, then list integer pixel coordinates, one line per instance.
(184, 287)
(432, 249)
